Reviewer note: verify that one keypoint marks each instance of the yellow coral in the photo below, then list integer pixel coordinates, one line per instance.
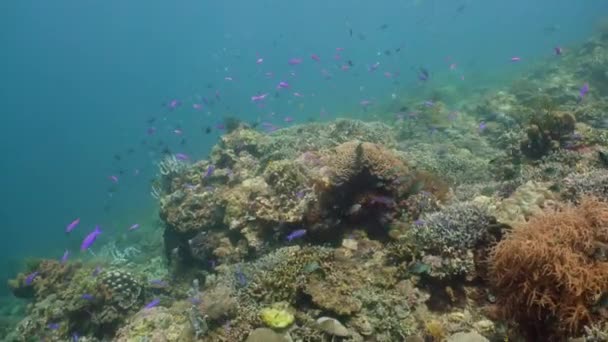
(435, 330)
(276, 318)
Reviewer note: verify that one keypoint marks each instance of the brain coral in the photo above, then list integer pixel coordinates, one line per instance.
(550, 273)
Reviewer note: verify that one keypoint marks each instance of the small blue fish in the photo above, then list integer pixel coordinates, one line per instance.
(30, 278)
(423, 74)
(90, 239)
(240, 277)
(97, 270)
(75, 337)
(135, 226)
(296, 234)
(65, 256)
(72, 225)
(158, 283)
(482, 127)
(53, 326)
(209, 172)
(419, 222)
(584, 90)
(152, 304)
(87, 296)
(182, 156)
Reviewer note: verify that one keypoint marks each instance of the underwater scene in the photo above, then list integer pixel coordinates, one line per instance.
(301, 171)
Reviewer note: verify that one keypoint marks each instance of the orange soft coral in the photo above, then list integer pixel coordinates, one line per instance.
(550, 272)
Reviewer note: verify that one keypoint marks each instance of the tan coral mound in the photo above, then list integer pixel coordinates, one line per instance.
(550, 272)
(351, 158)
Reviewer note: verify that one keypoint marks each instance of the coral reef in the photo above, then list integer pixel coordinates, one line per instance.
(550, 274)
(547, 132)
(448, 238)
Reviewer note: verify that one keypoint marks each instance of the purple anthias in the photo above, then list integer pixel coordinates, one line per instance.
(181, 156)
(258, 98)
(90, 239)
(152, 304)
(387, 201)
(30, 278)
(72, 225)
(584, 90)
(210, 171)
(173, 104)
(296, 234)
(65, 256)
(294, 61)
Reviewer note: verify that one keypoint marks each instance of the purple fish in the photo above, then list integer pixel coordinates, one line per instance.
(423, 74)
(240, 277)
(294, 61)
(182, 156)
(296, 234)
(482, 126)
(259, 98)
(584, 90)
(53, 326)
(365, 103)
(113, 178)
(87, 296)
(135, 226)
(209, 172)
(429, 103)
(151, 130)
(72, 225)
(173, 104)
(373, 67)
(558, 50)
(419, 222)
(158, 283)
(269, 127)
(152, 304)
(283, 85)
(30, 278)
(97, 270)
(90, 239)
(65, 256)
(387, 201)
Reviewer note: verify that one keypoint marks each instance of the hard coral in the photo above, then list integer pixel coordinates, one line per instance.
(450, 235)
(547, 132)
(550, 272)
(191, 211)
(352, 158)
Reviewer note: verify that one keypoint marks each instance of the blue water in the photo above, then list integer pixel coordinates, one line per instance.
(79, 80)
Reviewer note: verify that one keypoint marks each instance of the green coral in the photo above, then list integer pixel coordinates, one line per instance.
(548, 131)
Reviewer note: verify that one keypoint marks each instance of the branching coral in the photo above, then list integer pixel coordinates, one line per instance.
(549, 273)
(449, 236)
(593, 183)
